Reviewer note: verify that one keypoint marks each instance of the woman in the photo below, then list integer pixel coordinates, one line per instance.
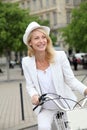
(47, 71)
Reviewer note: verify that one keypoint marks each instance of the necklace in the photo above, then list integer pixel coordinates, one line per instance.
(42, 65)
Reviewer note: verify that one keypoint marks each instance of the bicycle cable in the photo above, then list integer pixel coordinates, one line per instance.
(79, 101)
(43, 100)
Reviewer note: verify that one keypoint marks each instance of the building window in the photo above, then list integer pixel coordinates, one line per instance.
(47, 3)
(68, 16)
(34, 1)
(55, 18)
(23, 5)
(75, 3)
(54, 2)
(34, 5)
(41, 4)
(48, 16)
(28, 4)
(67, 1)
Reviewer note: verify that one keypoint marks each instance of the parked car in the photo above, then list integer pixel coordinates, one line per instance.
(79, 57)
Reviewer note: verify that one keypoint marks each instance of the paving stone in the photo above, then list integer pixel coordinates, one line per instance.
(10, 105)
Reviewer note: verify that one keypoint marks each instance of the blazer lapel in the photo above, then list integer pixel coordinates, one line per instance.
(33, 72)
(56, 75)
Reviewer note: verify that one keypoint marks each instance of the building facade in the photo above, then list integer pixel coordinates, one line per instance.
(58, 12)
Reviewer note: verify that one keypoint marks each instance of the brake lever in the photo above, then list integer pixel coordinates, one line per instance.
(42, 97)
(41, 100)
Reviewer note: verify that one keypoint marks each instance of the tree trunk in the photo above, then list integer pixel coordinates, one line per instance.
(7, 68)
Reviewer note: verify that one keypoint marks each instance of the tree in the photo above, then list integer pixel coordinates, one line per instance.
(75, 33)
(13, 21)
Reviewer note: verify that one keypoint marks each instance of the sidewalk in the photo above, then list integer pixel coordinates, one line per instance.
(10, 106)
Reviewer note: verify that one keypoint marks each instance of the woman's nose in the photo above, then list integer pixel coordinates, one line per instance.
(41, 39)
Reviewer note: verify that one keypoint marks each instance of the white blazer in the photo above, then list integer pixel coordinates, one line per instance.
(63, 77)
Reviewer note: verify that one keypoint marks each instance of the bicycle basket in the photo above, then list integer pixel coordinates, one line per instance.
(77, 118)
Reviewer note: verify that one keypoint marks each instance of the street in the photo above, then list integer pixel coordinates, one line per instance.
(10, 102)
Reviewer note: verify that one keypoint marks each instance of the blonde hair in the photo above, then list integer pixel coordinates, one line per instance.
(49, 50)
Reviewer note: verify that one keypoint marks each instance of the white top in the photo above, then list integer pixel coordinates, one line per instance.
(63, 78)
(47, 86)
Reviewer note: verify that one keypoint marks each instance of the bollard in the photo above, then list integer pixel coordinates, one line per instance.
(21, 98)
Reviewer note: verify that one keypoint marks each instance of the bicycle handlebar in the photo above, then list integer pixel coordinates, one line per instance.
(62, 108)
(84, 101)
(46, 97)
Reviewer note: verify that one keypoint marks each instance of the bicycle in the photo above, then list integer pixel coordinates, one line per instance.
(78, 110)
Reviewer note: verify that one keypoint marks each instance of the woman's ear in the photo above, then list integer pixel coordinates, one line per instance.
(30, 45)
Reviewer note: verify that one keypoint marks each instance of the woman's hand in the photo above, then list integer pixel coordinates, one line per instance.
(85, 93)
(35, 99)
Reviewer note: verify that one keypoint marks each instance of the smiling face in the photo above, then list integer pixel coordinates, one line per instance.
(38, 41)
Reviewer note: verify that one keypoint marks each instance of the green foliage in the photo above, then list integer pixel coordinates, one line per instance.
(13, 22)
(75, 34)
(53, 38)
